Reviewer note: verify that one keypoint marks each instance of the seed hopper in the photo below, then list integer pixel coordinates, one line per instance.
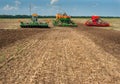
(63, 20)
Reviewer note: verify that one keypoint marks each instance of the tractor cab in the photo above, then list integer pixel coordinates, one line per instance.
(95, 19)
(34, 17)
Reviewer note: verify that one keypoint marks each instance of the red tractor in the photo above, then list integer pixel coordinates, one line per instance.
(96, 21)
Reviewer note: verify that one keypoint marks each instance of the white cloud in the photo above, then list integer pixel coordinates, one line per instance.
(12, 7)
(8, 7)
(17, 2)
(53, 1)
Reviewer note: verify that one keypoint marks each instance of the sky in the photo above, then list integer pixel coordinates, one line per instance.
(51, 7)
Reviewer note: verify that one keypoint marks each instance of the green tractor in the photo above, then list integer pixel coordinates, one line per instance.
(34, 23)
(64, 21)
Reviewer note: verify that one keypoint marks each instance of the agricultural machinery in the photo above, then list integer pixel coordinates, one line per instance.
(63, 20)
(34, 23)
(96, 21)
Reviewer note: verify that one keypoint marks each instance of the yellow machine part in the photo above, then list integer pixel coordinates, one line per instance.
(58, 16)
(35, 14)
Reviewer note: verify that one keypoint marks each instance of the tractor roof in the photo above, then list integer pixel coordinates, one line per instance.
(34, 14)
(95, 17)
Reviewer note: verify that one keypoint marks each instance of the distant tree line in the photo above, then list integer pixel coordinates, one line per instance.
(23, 16)
(28, 16)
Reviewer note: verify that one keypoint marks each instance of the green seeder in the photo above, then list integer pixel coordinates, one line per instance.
(34, 23)
(64, 21)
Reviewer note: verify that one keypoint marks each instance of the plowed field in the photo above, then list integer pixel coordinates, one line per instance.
(80, 55)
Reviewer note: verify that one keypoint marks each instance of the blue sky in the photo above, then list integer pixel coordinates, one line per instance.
(71, 7)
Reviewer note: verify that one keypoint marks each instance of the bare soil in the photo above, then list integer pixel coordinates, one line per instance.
(8, 36)
(80, 55)
(109, 40)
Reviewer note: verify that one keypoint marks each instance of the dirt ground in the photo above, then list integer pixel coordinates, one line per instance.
(79, 55)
